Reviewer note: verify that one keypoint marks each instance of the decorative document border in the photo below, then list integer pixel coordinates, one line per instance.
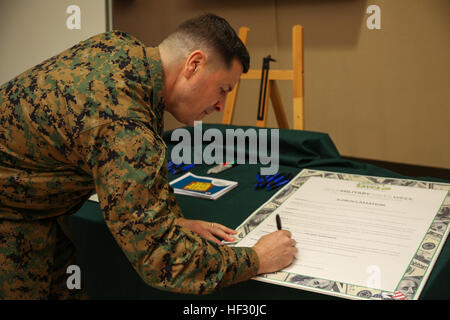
(415, 274)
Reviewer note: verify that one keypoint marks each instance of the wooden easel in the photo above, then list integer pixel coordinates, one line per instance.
(295, 74)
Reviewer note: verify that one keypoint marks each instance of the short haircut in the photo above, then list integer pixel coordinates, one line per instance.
(215, 33)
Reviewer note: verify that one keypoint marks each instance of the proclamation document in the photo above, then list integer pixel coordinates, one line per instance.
(358, 237)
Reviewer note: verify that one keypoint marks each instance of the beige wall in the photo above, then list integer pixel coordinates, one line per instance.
(32, 31)
(380, 94)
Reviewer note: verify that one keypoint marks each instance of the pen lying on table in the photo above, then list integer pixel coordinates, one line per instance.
(273, 181)
(181, 167)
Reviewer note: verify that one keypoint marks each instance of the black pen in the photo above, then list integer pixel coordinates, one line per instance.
(277, 217)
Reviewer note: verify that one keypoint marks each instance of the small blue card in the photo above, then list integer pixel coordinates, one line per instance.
(204, 187)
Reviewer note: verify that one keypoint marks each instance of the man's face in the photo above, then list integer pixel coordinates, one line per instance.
(201, 88)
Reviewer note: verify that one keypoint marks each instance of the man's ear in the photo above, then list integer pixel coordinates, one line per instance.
(195, 60)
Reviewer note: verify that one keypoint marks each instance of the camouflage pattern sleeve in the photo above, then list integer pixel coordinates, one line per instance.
(128, 165)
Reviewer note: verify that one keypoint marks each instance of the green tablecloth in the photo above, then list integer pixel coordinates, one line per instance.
(107, 274)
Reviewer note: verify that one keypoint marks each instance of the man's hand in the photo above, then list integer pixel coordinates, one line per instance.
(275, 251)
(208, 230)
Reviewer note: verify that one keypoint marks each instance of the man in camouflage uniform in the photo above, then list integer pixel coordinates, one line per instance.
(91, 119)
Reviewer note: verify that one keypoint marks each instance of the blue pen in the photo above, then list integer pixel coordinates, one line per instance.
(176, 167)
(263, 181)
(285, 176)
(188, 167)
(172, 165)
(274, 176)
(278, 185)
(282, 183)
(268, 179)
(179, 165)
(279, 179)
(259, 181)
(288, 178)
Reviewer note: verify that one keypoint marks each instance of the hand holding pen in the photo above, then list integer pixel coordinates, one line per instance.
(278, 219)
(276, 250)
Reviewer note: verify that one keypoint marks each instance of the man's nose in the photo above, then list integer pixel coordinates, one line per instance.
(220, 104)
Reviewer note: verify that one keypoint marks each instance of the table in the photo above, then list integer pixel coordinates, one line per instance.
(107, 274)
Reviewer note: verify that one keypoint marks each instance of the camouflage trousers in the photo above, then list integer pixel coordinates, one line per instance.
(34, 256)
